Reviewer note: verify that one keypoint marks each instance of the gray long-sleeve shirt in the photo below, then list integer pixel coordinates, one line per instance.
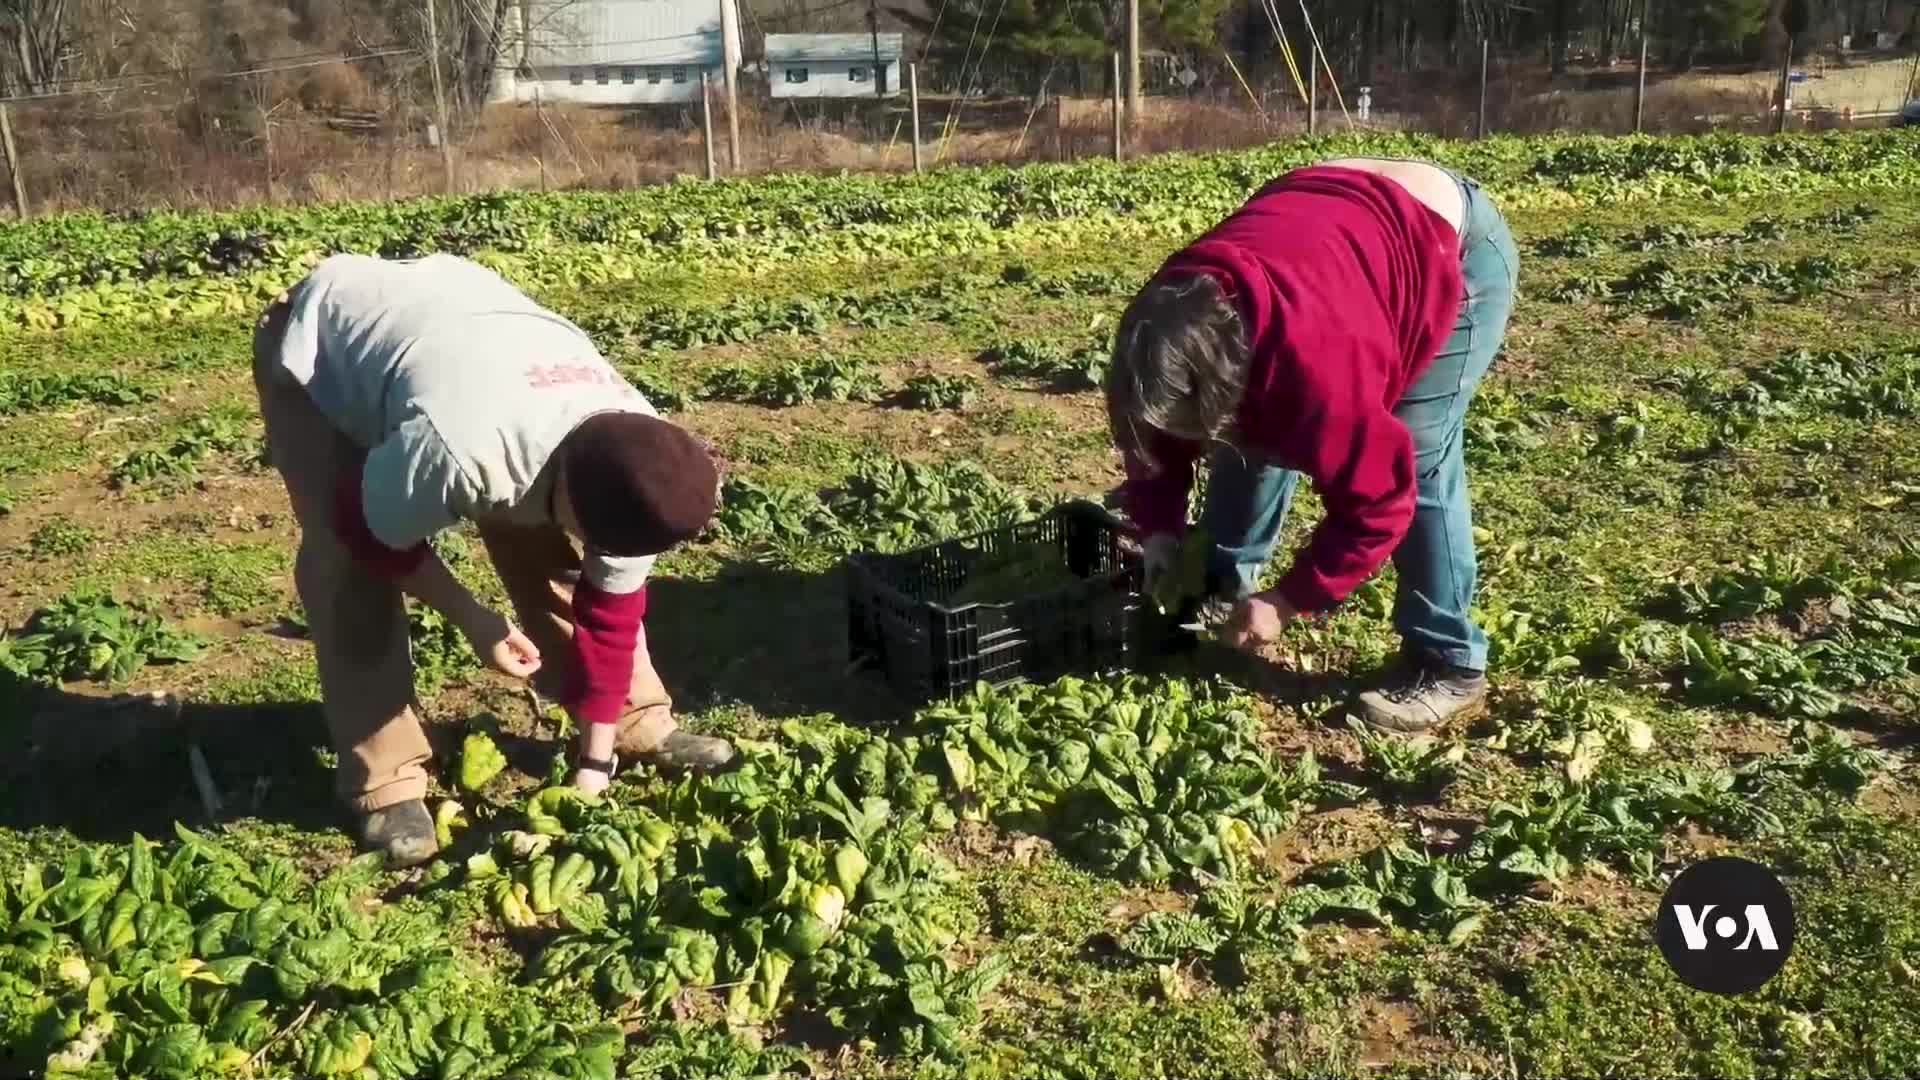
(459, 386)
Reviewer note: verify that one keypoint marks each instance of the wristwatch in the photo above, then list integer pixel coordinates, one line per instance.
(609, 764)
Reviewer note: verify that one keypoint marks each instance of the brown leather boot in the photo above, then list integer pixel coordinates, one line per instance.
(404, 831)
(648, 733)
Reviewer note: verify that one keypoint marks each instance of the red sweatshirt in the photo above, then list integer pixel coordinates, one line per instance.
(1347, 286)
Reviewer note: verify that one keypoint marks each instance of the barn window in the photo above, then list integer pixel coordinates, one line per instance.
(796, 75)
(627, 75)
(858, 74)
(653, 76)
(602, 76)
(574, 76)
(679, 75)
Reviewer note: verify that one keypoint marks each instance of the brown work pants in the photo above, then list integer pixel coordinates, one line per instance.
(358, 620)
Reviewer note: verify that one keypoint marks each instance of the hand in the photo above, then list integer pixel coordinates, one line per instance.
(503, 646)
(278, 303)
(1157, 559)
(1256, 621)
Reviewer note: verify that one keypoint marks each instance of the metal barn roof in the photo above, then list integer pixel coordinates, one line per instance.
(788, 48)
(583, 33)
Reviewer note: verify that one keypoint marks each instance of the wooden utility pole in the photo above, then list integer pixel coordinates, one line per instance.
(206, 128)
(13, 163)
(1640, 83)
(439, 96)
(1480, 129)
(1133, 61)
(266, 132)
(873, 28)
(540, 150)
(706, 121)
(1313, 90)
(1116, 106)
(913, 102)
(1784, 98)
(730, 36)
(1795, 18)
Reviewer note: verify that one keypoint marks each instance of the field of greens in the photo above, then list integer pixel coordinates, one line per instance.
(1696, 473)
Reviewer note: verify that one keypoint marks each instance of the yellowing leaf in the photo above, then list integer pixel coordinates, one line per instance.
(1639, 735)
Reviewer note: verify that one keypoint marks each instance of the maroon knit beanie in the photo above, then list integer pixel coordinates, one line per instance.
(638, 484)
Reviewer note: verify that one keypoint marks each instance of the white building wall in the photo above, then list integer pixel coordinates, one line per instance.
(626, 84)
(828, 78)
(547, 41)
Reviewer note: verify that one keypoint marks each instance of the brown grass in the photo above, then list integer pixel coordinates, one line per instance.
(336, 135)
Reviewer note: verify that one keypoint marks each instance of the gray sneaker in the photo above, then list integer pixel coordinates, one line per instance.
(404, 831)
(1423, 696)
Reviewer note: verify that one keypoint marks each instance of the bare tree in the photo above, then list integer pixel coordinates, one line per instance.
(38, 36)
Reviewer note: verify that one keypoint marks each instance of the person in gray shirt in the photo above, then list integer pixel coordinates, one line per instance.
(403, 396)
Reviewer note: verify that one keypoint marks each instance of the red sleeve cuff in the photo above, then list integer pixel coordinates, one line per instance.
(1305, 593)
(350, 525)
(606, 629)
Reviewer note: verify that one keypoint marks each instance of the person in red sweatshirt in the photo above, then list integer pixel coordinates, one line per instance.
(404, 396)
(1336, 326)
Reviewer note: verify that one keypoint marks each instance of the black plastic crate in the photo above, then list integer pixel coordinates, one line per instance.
(900, 621)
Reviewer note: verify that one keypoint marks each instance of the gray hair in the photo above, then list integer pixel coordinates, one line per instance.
(1180, 359)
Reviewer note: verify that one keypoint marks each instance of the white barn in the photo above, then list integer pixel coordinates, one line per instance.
(832, 65)
(616, 52)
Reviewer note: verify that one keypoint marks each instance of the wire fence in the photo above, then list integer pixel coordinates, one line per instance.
(323, 127)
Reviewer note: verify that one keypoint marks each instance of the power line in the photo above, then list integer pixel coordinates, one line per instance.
(927, 46)
(715, 34)
(319, 56)
(953, 111)
(318, 63)
(140, 81)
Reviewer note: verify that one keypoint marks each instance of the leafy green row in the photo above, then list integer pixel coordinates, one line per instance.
(1645, 158)
(1136, 781)
(1060, 364)
(1558, 826)
(935, 391)
(662, 326)
(186, 960)
(33, 393)
(882, 505)
(1663, 289)
(1864, 385)
(805, 877)
(796, 382)
(48, 257)
(180, 457)
(751, 318)
(1581, 241)
(769, 886)
(1869, 634)
(93, 636)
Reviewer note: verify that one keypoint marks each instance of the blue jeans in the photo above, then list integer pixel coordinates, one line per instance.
(1246, 500)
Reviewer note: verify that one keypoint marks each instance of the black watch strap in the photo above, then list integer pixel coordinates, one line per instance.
(608, 765)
